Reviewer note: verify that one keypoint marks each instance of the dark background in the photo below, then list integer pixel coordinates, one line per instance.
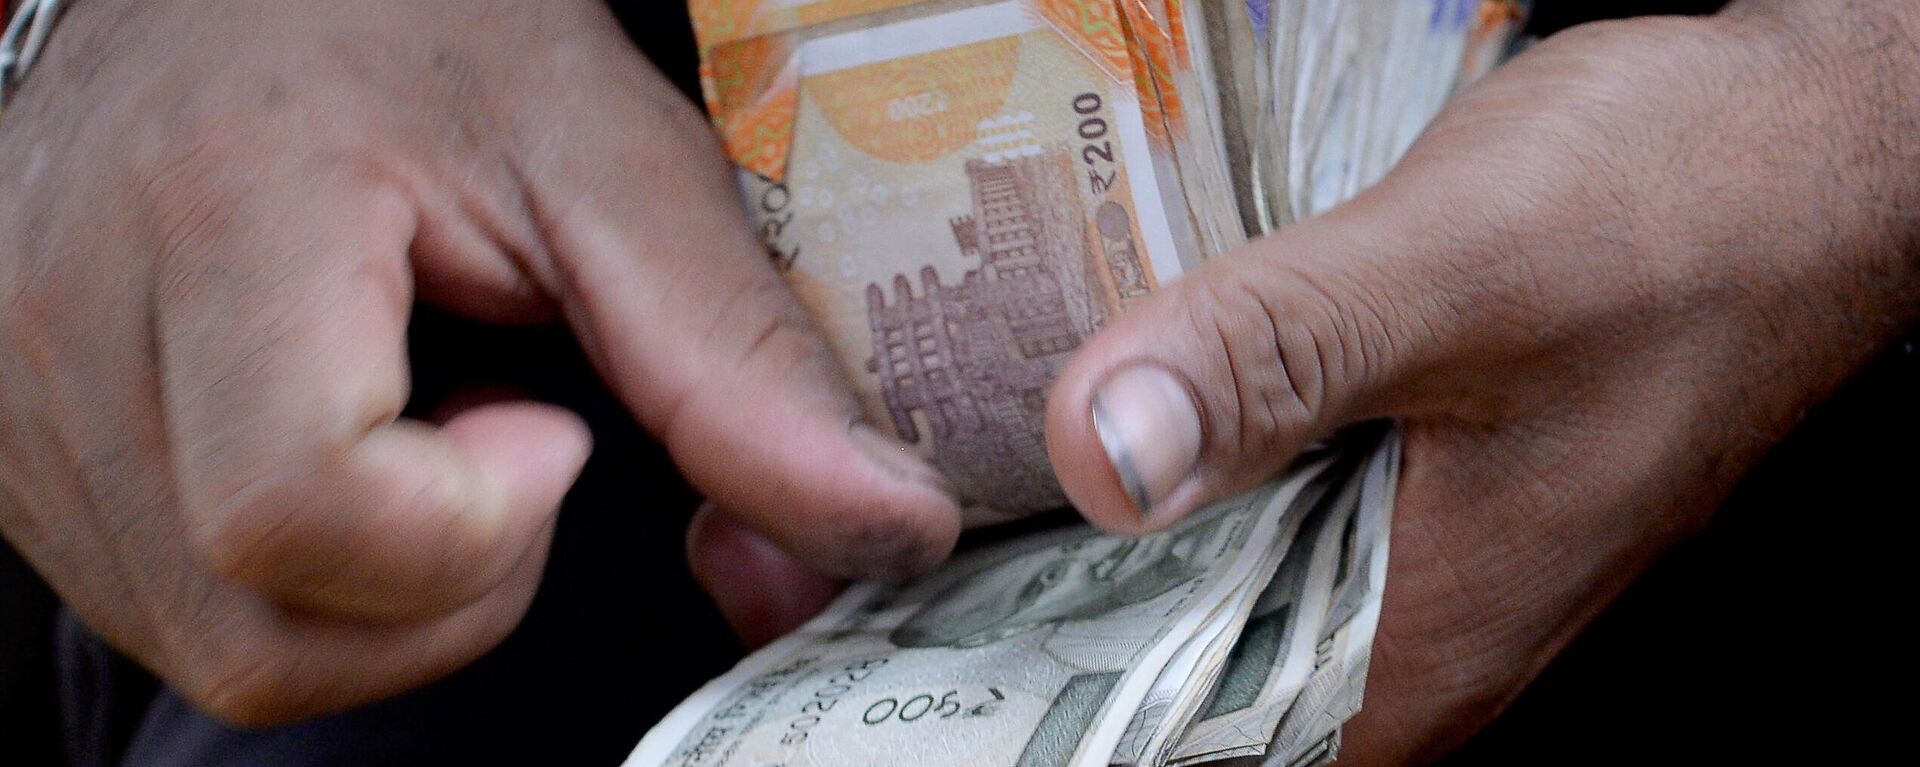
(1762, 640)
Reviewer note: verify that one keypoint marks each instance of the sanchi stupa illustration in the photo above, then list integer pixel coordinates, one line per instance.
(970, 362)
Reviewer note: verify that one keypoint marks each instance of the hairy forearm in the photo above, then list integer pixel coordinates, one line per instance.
(1814, 199)
(1856, 65)
(1842, 140)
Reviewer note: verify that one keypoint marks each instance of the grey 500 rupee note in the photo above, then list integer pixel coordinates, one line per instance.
(1034, 652)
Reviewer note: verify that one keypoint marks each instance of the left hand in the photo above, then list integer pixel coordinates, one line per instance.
(1604, 282)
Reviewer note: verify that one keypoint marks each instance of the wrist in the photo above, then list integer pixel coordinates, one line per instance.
(1855, 67)
(1811, 152)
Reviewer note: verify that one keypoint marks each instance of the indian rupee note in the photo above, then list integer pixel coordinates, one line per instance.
(1334, 692)
(1275, 654)
(1032, 653)
(960, 193)
(1287, 605)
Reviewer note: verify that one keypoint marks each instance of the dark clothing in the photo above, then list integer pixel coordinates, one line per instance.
(619, 632)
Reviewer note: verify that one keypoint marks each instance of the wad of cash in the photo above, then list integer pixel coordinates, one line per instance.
(1241, 634)
(961, 192)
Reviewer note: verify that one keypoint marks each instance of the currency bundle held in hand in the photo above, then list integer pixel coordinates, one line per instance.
(1242, 633)
(962, 192)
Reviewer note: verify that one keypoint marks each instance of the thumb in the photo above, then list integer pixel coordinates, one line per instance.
(1214, 384)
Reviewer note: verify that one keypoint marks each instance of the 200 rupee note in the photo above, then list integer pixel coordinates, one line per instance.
(960, 199)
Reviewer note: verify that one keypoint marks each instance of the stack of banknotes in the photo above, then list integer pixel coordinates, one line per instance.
(1241, 634)
(962, 192)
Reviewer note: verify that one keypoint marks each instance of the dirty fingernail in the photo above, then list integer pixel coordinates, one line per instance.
(1151, 431)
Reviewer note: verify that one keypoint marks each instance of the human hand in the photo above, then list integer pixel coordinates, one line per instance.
(1602, 284)
(217, 220)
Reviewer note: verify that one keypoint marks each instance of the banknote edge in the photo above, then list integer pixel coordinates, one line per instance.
(1098, 747)
(656, 747)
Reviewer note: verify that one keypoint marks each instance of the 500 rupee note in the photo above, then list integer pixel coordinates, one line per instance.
(1296, 618)
(1032, 653)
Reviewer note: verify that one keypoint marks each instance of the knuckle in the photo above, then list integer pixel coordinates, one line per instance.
(1268, 358)
(234, 537)
(185, 191)
(758, 317)
(32, 312)
(246, 682)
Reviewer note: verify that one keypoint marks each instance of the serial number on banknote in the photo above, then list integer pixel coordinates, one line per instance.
(836, 689)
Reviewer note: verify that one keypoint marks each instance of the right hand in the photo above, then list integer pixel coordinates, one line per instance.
(216, 222)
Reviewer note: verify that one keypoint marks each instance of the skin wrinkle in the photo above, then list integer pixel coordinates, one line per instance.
(336, 578)
(506, 223)
(569, 278)
(279, 332)
(235, 535)
(241, 674)
(1336, 316)
(1453, 298)
(1277, 384)
(537, 255)
(1356, 314)
(757, 346)
(1323, 360)
(1520, 557)
(460, 227)
(1460, 291)
(1250, 382)
(1360, 359)
(749, 299)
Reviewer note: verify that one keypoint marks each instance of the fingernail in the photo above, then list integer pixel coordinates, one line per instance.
(1151, 431)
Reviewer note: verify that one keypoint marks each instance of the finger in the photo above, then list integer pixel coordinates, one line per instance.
(282, 345)
(476, 252)
(263, 665)
(1217, 382)
(763, 592)
(689, 321)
